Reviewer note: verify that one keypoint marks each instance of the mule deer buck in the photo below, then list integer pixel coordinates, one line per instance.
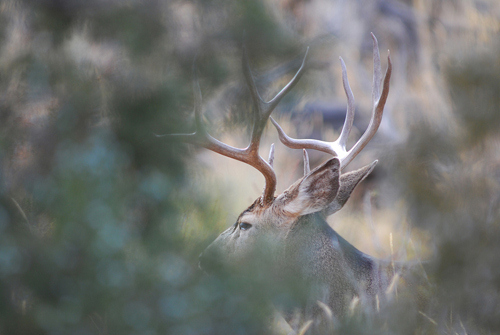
(295, 221)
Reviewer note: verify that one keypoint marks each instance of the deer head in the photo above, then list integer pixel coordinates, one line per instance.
(319, 193)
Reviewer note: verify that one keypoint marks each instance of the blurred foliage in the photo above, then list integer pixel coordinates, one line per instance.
(450, 175)
(90, 227)
(92, 204)
(475, 93)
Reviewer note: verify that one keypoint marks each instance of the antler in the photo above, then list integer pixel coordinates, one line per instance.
(262, 111)
(338, 148)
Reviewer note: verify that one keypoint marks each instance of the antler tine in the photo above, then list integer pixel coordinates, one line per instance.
(307, 167)
(198, 103)
(271, 104)
(297, 143)
(349, 119)
(377, 71)
(338, 147)
(200, 133)
(271, 156)
(264, 109)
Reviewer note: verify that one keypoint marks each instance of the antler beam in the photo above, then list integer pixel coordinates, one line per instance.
(262, 111)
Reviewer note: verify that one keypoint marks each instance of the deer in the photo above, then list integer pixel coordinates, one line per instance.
(294, 221)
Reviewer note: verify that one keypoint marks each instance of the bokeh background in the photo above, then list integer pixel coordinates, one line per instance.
(101, 222)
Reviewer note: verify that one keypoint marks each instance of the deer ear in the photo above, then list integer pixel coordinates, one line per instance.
(348, 182)
(314, 192)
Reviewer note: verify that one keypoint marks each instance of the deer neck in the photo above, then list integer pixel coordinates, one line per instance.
(312, 237)
(335, 269)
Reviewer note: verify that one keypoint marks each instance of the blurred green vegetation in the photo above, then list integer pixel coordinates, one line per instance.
(450, 175)
(91, 237)
(93, 206)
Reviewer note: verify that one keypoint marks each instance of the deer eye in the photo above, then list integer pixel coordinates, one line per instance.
(245, 226)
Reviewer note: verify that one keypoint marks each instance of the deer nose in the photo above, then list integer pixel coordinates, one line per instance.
(208, 261)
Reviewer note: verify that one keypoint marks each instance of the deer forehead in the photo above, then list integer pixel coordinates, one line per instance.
(273, 215)
(254, 215)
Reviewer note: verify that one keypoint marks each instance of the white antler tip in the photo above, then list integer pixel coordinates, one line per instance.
(271, 155)
(307, 167)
